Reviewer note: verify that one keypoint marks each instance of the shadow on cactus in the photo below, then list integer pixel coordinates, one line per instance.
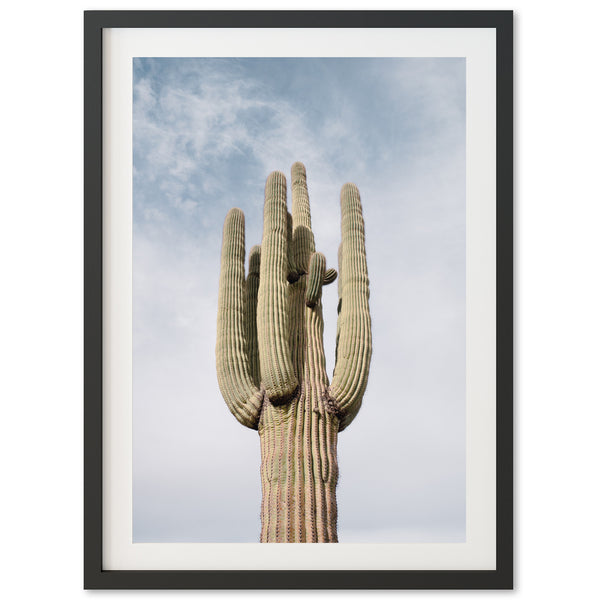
(270, 357)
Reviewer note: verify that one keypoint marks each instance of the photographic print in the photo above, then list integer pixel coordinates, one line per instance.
(299, 300)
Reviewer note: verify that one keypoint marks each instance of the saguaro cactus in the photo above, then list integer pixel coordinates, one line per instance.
(270, 357)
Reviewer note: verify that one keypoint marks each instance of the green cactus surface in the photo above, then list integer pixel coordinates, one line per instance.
(270, 356)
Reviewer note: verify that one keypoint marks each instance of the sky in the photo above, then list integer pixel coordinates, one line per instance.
(206, 134)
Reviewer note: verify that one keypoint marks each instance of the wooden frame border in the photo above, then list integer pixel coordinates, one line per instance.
(97, 578)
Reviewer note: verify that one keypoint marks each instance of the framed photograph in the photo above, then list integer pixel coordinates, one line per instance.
(298, 299)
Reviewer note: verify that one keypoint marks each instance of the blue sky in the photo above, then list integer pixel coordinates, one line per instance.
(206, 133)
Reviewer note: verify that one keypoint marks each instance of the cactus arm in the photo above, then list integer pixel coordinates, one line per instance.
(300, 201)
(354, 346)
(276, 368)
(314, 281)
(303, 238)
(241, 395)
(340, 280)
(330, 276)
(339, 305)
(252, 284)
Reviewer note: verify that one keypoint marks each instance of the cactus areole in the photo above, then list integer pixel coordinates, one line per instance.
(270, 357)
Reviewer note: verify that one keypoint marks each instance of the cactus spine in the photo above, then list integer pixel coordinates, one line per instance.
(270, 356)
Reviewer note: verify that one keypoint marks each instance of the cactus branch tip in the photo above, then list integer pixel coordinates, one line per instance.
(234, 213)
(330, 276)
(349, 188)
(275, 180)
(298, 171)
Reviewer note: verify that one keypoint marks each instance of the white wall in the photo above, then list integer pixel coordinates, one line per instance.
(557, 301)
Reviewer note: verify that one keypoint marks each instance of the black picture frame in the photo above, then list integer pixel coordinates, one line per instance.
(95, 577)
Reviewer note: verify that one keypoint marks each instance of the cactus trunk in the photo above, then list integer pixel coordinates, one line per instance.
(299, 441)
(271, 360)
(299, 474)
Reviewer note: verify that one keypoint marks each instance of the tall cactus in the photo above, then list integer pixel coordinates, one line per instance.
(270, 357)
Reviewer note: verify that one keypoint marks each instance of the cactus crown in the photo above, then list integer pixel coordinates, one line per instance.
(254, 359)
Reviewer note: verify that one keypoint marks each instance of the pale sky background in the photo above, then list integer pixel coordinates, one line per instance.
(207, 132)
